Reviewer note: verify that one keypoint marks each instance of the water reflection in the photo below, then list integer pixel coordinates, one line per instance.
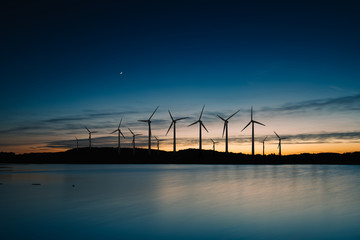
(181, 201)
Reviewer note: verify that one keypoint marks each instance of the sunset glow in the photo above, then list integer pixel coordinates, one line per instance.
(297, 64)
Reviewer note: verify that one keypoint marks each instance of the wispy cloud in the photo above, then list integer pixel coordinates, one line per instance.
(324, 136)
(142, 141)
(106, 121)
(309, 138)
(109, 141)
(347, 103)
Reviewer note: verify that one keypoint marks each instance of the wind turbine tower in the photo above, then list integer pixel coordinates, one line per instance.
(252, 122)
(90, 132)
(119, 133)
(158, 143)
(173, 124)
(214, 143)
(201, 125)
(77, 144)
(263, 142)
(149, 124)
(133, 140)
(226, 121)
(279, 146)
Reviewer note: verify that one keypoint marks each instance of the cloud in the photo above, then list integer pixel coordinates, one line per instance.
(109, 141)
(324, 136)
(102, 122)
(347, 103)
(142, 140)
(308, 138)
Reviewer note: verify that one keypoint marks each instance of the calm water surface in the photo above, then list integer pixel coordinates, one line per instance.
(179, 202)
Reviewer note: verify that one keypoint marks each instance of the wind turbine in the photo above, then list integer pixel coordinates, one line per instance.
(279, 146)
(133, 140)
(158, 142)
(173, 123)
(119, 133)
(89, 136)
(252, 125)
(214, 143)
(226, 121)
(264, 145)
(149, 123)
(200, 126)
(77, 144)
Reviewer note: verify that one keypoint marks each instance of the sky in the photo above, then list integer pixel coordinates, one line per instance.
(295, 62)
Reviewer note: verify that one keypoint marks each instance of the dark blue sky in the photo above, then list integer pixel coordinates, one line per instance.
(61, 58)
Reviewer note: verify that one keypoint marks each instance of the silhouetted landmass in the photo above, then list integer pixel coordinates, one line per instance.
(189, 156)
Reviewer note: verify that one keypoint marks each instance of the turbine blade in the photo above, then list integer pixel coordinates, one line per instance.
(193, 123)
(203, 126)
(212, 140)
(277, 135)
(131, 132)
(143, 120)
(221, 118)
(122, 134)
(202, 112)
(233, 114)
(120, 123)
(181, 118)
(224, 129)
(113, 131)
(251, 113)
(169, 128)
(153, 113)
(265, 139)
(259, 123)
(246, 126)
(87, 129)
(171, 115)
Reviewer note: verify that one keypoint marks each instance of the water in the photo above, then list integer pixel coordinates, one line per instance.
(179, 202)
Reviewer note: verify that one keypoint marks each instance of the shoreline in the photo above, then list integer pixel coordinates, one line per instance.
(188, 156)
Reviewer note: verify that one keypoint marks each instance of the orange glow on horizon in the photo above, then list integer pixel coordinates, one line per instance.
(288, 148)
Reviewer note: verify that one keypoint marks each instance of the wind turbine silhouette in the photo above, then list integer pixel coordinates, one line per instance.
(77, 144)
(264, 145)
(200, 126)
(158, 142)
(89, 136)
(279, 146)
(119, 133)
(214, 143)
(173, 123)
(226, 121)
(252, 125)
(133, 139)
(149, 123)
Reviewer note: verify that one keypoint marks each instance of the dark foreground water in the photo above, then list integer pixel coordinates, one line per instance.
(179, 202)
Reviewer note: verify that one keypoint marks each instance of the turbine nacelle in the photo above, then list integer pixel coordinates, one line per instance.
(201, 125)
(226, 121)
(90, 132)
(173, 121)
(252, 122)
(118, 129)
(149, 124)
